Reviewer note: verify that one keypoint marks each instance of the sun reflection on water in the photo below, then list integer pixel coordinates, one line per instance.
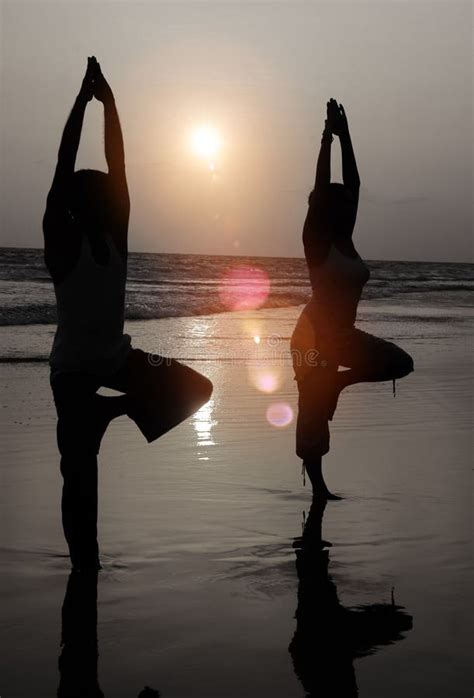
(203, 424)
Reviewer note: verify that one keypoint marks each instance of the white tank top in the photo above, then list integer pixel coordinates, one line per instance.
(91, 304)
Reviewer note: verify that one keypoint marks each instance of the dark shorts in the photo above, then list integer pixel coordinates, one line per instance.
(161, 393)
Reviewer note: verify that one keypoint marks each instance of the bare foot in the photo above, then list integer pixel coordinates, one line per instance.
(300, 543)
(320, 489)
(322, 492)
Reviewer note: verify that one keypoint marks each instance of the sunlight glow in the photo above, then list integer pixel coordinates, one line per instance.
(206, 143)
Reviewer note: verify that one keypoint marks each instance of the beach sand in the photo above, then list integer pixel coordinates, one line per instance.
(199, 585)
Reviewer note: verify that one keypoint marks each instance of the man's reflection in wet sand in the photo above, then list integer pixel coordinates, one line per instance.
(79, 654)
(328, 636)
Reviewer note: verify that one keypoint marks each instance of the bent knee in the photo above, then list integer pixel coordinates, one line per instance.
(401, 364)
(206, 388)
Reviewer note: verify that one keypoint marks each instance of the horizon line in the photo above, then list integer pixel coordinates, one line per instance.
(259, 256)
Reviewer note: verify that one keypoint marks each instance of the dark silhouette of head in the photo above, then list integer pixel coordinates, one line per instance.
(341, 210)
(89, 200)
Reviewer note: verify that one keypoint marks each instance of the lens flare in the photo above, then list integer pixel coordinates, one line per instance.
(279, 414)
(267, 380)
(244, 288)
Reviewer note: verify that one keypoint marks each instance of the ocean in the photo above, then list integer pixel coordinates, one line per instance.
(180, 285)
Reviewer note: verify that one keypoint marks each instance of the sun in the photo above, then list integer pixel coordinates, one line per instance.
(206, 141)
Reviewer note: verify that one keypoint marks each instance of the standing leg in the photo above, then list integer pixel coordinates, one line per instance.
(314, 468)
(82, 420)
(313, 380)
(79, 508)
(312, 429)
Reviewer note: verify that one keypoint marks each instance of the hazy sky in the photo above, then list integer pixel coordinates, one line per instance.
(261, 74)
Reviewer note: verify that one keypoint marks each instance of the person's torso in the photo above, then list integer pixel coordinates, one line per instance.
(337, 285)
(90, 308)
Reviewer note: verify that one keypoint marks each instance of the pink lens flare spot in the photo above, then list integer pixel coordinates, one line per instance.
(265, 380)
(244, 288)
(279, 414)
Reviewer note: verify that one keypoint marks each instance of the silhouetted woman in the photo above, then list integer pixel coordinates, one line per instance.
(85, 231)
(325, 337)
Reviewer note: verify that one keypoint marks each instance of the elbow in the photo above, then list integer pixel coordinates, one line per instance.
(354, 186)
(354, 181)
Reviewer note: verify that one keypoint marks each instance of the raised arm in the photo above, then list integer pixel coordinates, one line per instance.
(114, 151)
(323, 167)
(340, 127)
(58, 225)
(72, 130)
(316, 236)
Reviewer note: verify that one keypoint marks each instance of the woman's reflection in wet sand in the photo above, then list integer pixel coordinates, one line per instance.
(79, 654)
(328, 636)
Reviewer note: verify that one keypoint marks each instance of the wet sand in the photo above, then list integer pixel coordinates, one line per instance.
(200, 586)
